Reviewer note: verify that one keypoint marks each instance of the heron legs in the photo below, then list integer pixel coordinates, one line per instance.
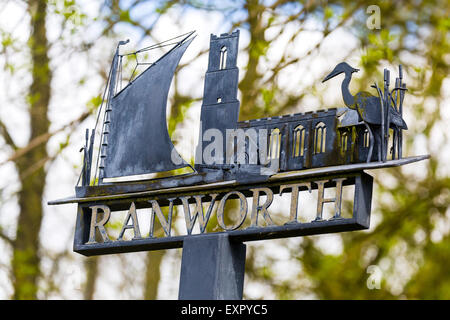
(374, 139)
(394, 142)
(371, 142)
(378, 137)
(375, 136)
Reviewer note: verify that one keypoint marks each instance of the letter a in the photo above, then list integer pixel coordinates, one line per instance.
(374, 21)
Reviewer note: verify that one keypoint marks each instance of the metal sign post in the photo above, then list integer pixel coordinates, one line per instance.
(212, 268)
(250, 161)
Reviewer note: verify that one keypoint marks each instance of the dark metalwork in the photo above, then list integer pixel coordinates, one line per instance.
(373, 111)
(234, 160)
(107, 115)
(139, 142)
(87, 159)
(337, 199)
(251, 150)
(86, 222)
(200, 182)
(220, 108)
(212, 269)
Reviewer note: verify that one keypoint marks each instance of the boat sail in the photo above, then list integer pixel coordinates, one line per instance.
(138, 139)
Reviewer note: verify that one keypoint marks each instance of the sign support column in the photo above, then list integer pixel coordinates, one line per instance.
(212, 268)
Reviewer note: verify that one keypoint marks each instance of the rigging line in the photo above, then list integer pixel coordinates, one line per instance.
(108, 102)
(148, 49)
(120, 73)
(107, 85)
(98, 117)
(100, 145)
(135, 67)
(81, 173)
(160, 43)
(176, 45)
(117, 80)
(79, 177)
(103, 97)
(156, 47)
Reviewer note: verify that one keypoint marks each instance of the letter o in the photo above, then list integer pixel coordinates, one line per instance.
(242, 211)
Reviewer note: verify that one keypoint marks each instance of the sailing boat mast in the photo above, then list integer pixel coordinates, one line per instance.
(107, 116)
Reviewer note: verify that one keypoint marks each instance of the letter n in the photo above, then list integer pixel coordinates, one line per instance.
(165, 224)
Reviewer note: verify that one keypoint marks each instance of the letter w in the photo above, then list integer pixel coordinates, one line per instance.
(198, 212)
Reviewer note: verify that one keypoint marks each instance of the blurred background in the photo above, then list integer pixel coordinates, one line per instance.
(55, 57)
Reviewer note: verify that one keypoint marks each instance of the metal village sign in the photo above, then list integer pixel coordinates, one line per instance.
(255, 159)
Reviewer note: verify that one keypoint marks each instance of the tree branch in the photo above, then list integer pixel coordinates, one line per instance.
(5, 133)
(6, 238)
(43, 138)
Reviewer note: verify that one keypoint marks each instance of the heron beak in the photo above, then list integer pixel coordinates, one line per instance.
(355, 70)
(333, 74)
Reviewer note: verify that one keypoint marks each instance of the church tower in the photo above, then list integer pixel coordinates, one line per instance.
(220, 108)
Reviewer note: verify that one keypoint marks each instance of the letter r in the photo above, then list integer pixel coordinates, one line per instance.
(100, 225)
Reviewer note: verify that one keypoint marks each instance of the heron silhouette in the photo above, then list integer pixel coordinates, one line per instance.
(368, 108)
